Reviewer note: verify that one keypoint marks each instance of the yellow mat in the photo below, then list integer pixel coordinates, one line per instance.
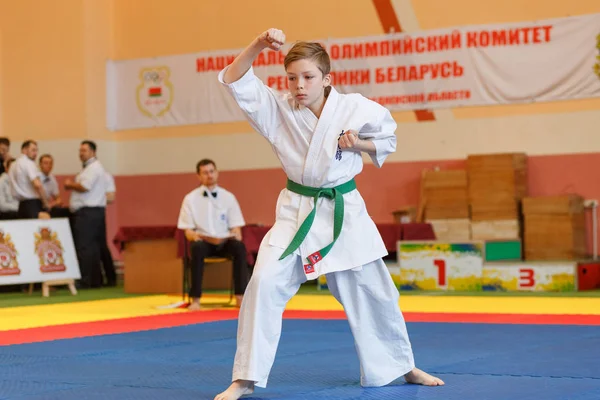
(99, 310)
(469, 304)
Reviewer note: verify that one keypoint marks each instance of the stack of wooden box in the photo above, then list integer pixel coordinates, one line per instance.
(446, 205)
(497, 183)
(554, 228)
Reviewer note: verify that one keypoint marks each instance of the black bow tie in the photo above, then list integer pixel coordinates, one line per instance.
(214, 194)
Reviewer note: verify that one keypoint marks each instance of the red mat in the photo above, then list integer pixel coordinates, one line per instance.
(124, 325)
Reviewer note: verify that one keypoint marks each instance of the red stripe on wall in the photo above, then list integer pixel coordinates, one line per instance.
(389, 21)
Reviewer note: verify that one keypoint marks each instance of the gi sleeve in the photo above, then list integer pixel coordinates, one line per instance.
(258, 102)
(380, 129)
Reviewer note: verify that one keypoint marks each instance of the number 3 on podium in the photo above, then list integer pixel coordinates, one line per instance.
(441, 266)
(526, 278)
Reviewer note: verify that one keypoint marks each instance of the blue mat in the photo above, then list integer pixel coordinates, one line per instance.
(477, 361)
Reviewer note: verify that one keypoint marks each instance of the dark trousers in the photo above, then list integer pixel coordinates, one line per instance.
(88, 235)
(106, 257)
(5, 215)
(29, 209)
(231, 248)
(60, 212)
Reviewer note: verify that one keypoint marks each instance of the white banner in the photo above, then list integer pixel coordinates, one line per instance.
(37, 251)
(524, 62)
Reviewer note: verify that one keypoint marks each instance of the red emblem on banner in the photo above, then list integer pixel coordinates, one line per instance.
(8, 256)
(49, 251)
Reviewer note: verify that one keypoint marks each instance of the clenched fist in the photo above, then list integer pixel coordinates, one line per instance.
(348, 140)
(272, 38)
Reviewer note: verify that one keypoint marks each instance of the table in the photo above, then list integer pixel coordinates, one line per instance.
(150, 259)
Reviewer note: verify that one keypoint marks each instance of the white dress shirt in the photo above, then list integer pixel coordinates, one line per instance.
(22, 174)
(8, 202)
(50, 185)
(93, 178)
(210, 215)
(110, 183)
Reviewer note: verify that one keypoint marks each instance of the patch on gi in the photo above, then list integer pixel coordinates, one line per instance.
(315, 258)
(309, 269)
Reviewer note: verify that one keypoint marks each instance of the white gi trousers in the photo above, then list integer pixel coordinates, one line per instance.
(370, 300)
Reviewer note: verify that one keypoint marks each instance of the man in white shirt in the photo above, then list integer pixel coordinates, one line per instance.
(212, 220)
(88, 203)
(9, 205)
(4, 154)
(48, 180)
(108, 263)
(26, 183)
(111, 188)
(57, 210)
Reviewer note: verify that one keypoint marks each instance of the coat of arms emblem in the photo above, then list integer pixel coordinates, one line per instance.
(155, 91)
(8, 256)
(49, 251)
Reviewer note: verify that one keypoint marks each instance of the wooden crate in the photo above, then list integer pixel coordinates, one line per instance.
(445, 179)
(456, 212)
(516, 163)
(547, 205)
(497, 182)
(497, 162)
(491, 230)
(445, 194)
(555, 237)
(452, 230)
(494, 210)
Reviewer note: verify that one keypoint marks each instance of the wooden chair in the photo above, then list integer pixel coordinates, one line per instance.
(187, 274)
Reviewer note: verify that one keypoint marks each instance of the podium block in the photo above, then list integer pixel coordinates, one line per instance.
(530, 276)
(439, 266)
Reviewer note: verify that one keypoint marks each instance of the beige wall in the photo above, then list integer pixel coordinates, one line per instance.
(52, 70)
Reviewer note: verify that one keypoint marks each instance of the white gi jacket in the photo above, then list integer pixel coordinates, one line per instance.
(307, 148)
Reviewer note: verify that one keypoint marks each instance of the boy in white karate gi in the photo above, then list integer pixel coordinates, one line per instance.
(322, 225)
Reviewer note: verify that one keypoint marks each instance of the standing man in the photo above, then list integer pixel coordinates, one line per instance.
(88, 203)
(4, 153)
(51, 188)
(26, 183)
(212, 220)
(9, 206)
(108, 263)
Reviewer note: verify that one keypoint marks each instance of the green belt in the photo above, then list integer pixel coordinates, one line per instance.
(336, 194)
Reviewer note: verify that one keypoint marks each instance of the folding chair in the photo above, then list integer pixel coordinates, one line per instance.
(187, 274)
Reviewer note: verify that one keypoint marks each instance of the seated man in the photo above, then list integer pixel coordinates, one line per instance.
(212, 220)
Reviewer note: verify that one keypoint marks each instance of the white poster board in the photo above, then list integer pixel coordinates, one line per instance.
(37, 251)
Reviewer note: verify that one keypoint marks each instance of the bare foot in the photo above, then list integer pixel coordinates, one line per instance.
(238, 300)
(419, 377)
(237, 389)
(194, 306)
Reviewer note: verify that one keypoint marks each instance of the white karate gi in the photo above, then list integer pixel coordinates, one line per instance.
(307, 148)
